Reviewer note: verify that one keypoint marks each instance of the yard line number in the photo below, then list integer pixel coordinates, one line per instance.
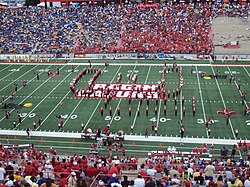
(32, 115)
(116, 118)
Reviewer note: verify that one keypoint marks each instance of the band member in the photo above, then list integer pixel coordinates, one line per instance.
(118, 111)
(37, 75)
(110, 111)
(238, 84)
(129, 111)
(156, 110)
(15, 86)
(175, 101)
(7, 114)
(165, 110)
(101, 110)
(184, 110)
(230, 79)
(182, 130)
(24, 82)
(175, 110)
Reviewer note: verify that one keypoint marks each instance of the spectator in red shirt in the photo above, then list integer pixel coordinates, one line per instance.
(63, 181)
(29, 169)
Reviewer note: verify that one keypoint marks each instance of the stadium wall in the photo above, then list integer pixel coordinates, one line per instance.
(42, 57)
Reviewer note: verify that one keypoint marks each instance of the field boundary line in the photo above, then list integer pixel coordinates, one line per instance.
(126, 137)
(99, 102)
(118, 64)
(202, 103)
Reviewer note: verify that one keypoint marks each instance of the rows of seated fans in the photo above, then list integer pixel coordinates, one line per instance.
(167, 28)
(32, 168)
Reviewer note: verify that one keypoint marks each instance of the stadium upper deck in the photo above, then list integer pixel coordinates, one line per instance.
(180, 28)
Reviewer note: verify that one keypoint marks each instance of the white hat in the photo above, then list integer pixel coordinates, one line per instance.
(9, 183)
(99, 165)
(100, 182)
(113, 175)
(73, 173)
(75, 163)
(117, 162)
(30, 182)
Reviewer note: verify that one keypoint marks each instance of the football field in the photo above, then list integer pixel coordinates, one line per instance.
(216, 99)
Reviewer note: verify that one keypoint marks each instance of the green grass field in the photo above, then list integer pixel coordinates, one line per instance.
(51, 96)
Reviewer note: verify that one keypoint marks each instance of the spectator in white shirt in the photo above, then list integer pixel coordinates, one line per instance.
(175, 180)
(139, 181)
(247, 182)
(2, 172)
(151, 171)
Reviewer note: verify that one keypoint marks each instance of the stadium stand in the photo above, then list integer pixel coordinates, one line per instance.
(180, 28)
(25, 166)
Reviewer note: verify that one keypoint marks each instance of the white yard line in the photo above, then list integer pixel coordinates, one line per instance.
(158, 117)
(100, 101)
(29, 95)
(53, 110)
(17, 79)
(76, 106)
(237, 88)
(202, 103)
(6, 67)
(45, 97)
(113, 116)
(246, 71)
(10, 74)
(136, 114)
(223, 101)
(19, 87)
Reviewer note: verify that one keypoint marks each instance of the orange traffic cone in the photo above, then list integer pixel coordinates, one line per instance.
(14, 138)
(160, 145)
(133, 144)
(73, 141)
(41, 140)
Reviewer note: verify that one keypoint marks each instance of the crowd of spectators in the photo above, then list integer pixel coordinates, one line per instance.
(32, 168)
(169, 28)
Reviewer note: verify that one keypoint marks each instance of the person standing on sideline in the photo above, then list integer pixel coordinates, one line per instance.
(146, 133)
(182, 130)
(236, 131)
(14, 124)
(15, 86)
(37, 75)
(2, 172)
(28, 132)
(101, 110)
(34, 124)
(209, 132)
